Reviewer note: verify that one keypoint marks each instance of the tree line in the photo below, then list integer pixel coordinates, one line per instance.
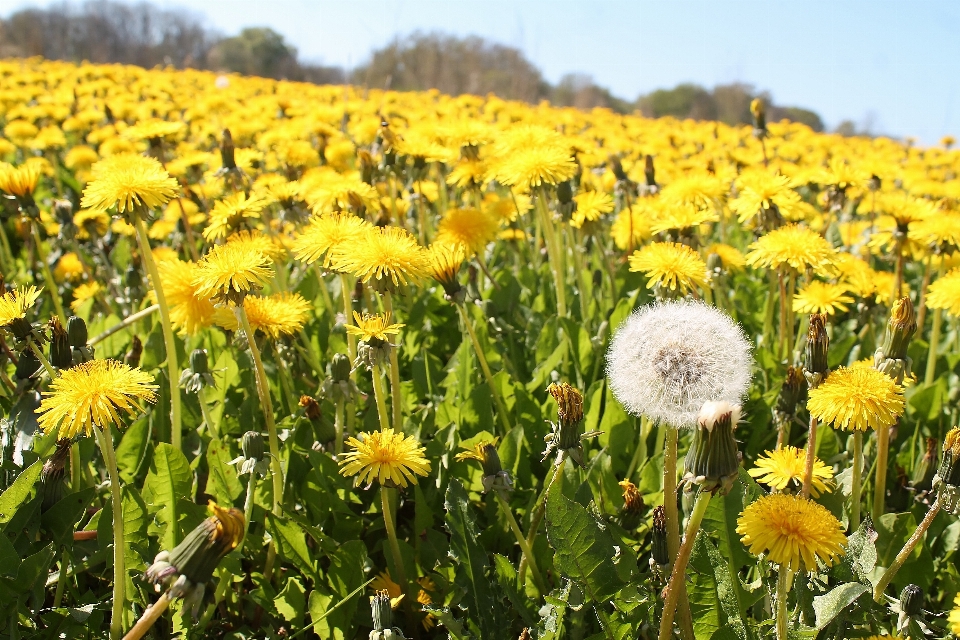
(104, 31)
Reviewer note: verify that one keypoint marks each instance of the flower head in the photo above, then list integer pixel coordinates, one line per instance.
(793, 246)
(19, 181)
(783, 469)
(388, 255)
(791, 531)
(189, 311)
(445, 263)
(470, 229)
(669, 265)
(15, 304)
(230, 212)
(373, 328)
(90, 394)
(324, 234)
(821, 297)
(591, 205)
(127, 181)
(668, 359)
(282, 313)
(534, 166)
(230, 271)
(945, 293)
(857, 398)
(392, 459)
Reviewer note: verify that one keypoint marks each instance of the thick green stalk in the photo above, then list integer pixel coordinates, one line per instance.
(857, 474)
(248, 502)
(880, 480)
(61, 581)
(105, 440)
(390, 524)
(324, 293)
(553, 252)
(379, 396)
(338, 426)
(43, 360)
(346, 293)
(783, 584)
(906, 551)
(524, 546)
(485, 367)
(540, 509)
(672, 517)
(263, 391)
(169, 344)
(934, 345)
(47, 276)
(811, 456)
(148, 618)
(396, 394)
(674, 588)
(207, 417)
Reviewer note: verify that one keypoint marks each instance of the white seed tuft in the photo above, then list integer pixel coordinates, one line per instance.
(667, 359)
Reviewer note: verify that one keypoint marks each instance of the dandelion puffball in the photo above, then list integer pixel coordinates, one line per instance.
(669, 358)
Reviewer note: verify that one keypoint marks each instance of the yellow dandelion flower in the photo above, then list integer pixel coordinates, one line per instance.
(383, 582)
(189, 312)
(681, 216)
(126, 181)
(20, 181)
(512, 234)
(231, 212)
(857, 398)
(282, 313)
(15, 304)
(91, 394)
(784, 469)
(445, 263)
(373, 328)
(467, 173)
(324, 233)
(69, 267)
(335, 192)
(535, 166)
(591, 205)
(229, 271)
(730, 257)
(153, 128)
(91, 223)
(791, 531)
(470, 229)
(793, 246)
(386, 254)
(84, 292)
(20, 131)
(391, 459)
(701, 190)
(954, 618)
(821, 297)
(670, 265)
(632, 225)
(759, 191)
(80, 157)
(945, 293)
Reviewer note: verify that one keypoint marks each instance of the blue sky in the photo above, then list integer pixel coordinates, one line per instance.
(892, 64)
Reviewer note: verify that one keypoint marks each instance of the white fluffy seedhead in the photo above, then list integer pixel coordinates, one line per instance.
(713, 411)
(669, 358)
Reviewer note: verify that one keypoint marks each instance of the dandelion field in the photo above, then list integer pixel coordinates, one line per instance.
(281, 360)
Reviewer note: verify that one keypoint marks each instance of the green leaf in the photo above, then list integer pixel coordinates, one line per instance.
(291, 544)
(222, 483)
(168, 480)
(507, 579)
(19, 491)
(893, 530)
(291, 602)
(471, 561)
(705, 607)
(132, 449)
(345, 574)
(585, 550)
(829, 606)
(59, 520)
(728, 588)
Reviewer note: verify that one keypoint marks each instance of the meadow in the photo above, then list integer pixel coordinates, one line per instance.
(281, 360)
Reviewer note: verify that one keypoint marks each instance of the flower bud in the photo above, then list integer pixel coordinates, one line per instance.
(891, 357)
(252, 445)
(199, 362)
(713, 461)
(132, 279)
(759, 111)
(910, 609)
(789, 396)
(911, 600)
(311, 408)
(566, 435)
(946, 482)
(132, 357)
(494, 477)
(27, 365)
(659, 537)
(60, 354)
(227, 160)
(565, 192)
(382, 613)
(815, 367)
(632, 507)
(77, 332)
(649, 172)
(52, 473)
(340, 368)
(924, 471)
(197, 376)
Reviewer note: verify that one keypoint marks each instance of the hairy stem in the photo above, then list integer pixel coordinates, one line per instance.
(674, 588)
(906, 551)
(105, 440)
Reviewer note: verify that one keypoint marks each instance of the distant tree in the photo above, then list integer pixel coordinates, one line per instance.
(683, 101)
(257, 51)
(796, 114)
(453, 65)
(580, 91)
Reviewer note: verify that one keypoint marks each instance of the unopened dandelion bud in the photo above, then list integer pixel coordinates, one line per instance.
(340, 368)
(27, 365)
(632, 508)
(815, 367)
(184, 571)
(382, 614)
(911, 600)
(198, 375)
(311, 408)
(617, 168)
(910, 610)
(132, 357)
(759, 111)
(946, 482)
(494, 477)
(790, 393)
(52, 474)
(891, 357)
(565, 192)
(713, 461)
(252, 445)
(649, 172)
(61, 355)
(227, 159)
(566, 435)
(658, 544)
(132, 278)
(77, 332)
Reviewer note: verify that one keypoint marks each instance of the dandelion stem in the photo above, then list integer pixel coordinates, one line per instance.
(123, 324)
(61, 583)
(924, 285)
(857, 474)
(263, 390)
(75, 472)
(934, 338)
(207, 417)
(378, 396)
(811, 456)
(345, 293)
(47, 276)
(906, 551)
(338, 426)
(675, 586)
(540, 509)
(43, 360)
(324, 292)
(248, 502)
(390, 525)
(524, 546)
(553, 252)
(105, 440)
(169, 343)
(880, 480)
(149, 617)
(672, 517)
(9, 264)
(396, 394)
(485, 367)
(783, 587)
